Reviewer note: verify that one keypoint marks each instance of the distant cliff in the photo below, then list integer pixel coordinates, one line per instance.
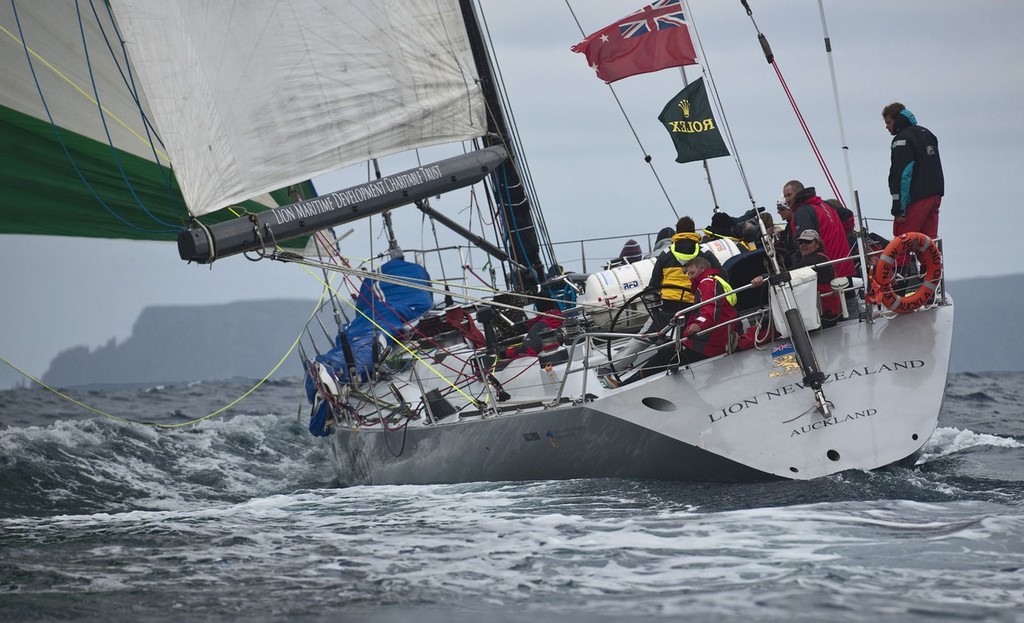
(187, 343)
(171, 344)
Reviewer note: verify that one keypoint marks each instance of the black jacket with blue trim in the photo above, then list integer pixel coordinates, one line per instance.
(916, 170)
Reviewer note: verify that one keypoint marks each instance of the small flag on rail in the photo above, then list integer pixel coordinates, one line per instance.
(689, 122)
(655, 37)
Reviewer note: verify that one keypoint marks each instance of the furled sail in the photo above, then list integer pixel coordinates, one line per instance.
(256, 95)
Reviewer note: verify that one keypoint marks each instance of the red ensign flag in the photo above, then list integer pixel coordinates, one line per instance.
(653, 38)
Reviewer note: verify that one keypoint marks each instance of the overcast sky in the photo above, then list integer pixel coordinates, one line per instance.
(957, 66)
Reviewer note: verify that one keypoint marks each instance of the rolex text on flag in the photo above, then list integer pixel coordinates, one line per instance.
(689, 122)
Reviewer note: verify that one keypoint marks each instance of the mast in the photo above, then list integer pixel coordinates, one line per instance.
(515, 211)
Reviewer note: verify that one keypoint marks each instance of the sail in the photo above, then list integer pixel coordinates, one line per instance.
(256, 95)
(78, 156)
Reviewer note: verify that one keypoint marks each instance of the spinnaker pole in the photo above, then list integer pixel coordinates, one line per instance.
(258, 232)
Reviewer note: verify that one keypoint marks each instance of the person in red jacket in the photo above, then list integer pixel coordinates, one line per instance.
(546, 321)
(847, 218)
(810, 212)
(708, 282)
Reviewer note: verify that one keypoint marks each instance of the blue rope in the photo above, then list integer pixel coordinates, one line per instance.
(152, 137)
(57, 132)
(103, 118)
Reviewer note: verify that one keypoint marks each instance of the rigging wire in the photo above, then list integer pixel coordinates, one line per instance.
(704, 161)
(839, 110)
(524, 171)
(861, 224)
(390, 336)
(376, 277)
(647, 157)
(770, 57)
(415, 284)
(713, 89)
(129, 81)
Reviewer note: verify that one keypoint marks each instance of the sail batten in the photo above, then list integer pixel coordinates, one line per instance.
(252, 96)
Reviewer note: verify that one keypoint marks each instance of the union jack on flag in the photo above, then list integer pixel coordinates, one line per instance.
(649, 19)
(783, 348)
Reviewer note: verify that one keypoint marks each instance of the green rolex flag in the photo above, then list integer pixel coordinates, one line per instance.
(689, 122)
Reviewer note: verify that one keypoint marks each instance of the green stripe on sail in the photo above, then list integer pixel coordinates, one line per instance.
(41, 192)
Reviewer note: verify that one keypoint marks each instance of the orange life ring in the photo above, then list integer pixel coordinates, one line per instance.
(928, 254)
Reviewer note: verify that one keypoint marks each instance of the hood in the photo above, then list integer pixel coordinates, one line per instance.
(666, 233)
(904, 120)
(807, 195)
(686, 244)
(686, 235)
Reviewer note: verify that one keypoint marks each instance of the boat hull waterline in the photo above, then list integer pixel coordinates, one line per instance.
(738, 417)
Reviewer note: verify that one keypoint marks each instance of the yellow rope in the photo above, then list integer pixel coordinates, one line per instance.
(327, 287)
(57, 392)
(57, 72)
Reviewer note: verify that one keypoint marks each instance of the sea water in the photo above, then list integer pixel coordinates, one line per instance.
(240, 518)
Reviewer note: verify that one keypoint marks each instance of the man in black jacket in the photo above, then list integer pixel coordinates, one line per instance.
(915, 174)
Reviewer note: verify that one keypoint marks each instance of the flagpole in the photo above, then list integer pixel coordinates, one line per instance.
(724, 122)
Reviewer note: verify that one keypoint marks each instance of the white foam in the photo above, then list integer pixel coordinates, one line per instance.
(950, 440)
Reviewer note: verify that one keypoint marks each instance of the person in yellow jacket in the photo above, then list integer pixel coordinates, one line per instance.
(670, 277)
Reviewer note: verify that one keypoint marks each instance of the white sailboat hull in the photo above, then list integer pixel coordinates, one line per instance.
(737, 417)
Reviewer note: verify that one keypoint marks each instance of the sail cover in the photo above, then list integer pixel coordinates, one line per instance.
(252, 95)
(382, 308)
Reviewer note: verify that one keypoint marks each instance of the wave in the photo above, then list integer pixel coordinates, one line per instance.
(616, 549)
(74, 467)
(950, 440)
(57, 458)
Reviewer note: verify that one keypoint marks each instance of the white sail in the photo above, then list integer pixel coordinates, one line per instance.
(256, 95)
(55, 82)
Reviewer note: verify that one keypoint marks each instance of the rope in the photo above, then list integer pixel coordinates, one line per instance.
(29, 54)
(807, 133)
(647, 157)
(385, 332)
(166, 426)
(770, 57)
